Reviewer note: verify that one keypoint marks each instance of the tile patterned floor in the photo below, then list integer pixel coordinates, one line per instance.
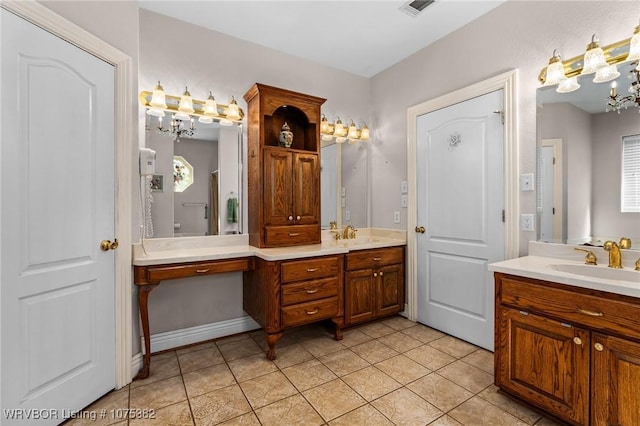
(390, 372)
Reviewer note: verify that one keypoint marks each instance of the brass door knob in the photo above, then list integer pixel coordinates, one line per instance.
(107, 245)
(420, 229)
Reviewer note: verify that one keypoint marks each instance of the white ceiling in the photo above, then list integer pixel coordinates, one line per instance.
(363, 37)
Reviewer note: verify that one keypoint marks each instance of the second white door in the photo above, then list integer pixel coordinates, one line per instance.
(460, 203)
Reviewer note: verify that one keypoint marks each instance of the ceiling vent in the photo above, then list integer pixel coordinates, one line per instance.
(413, 8)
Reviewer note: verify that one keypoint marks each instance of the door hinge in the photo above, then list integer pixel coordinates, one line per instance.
(502, 215)
(553, 210)
(501, 114)
(554, 160)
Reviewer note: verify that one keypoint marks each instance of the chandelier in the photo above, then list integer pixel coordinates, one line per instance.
(342, 133)
(602, 62)
(184, 110)
(615, 102)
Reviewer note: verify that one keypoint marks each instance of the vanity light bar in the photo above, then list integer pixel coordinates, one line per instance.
(614, 54)
(173, 104)
(342, 132)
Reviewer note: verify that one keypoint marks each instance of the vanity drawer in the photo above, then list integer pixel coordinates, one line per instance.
(304, 313)
(307, 269)
(291, 235)
(167, 272)
(599, 311)
(309, 290)
(375, 257)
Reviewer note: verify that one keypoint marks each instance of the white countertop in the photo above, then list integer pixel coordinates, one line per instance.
(194, 249)
(537, 267)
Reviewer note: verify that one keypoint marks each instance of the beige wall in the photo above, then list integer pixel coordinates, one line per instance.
(517, 34)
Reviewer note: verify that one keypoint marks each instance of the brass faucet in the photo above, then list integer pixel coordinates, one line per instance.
(615, 259)
(349, 232)
(336, 234)
(590, 258)
(637, 268)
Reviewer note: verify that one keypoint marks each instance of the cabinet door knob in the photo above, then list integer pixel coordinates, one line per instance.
(577, 340)
(375, 274)
(599, 347)
(380, 273)
(297, 217)
(290, 218)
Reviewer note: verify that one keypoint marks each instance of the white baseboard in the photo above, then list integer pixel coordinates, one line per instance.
(200, 333)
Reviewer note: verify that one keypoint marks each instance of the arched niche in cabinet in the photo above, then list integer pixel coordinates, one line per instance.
(304, 131)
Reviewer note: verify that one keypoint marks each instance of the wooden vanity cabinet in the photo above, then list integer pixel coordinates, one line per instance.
(284, 294)
(374, 284)
(570, 351)
(283, 182)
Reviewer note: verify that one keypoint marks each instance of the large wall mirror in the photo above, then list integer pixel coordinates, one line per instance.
(580, 157)
(197, 188)
(343, 182)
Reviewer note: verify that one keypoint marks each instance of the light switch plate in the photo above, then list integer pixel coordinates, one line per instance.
(343, 202)
(404, 187)
(343, 192)
(527, 182)
(404, 201)
(347, 215)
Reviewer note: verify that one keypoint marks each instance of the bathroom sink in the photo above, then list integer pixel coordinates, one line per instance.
(598, 272)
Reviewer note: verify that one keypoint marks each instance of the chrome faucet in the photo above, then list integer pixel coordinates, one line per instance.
(615, 259)
(349, 232)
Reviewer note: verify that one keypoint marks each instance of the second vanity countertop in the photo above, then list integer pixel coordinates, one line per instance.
(541, 262)
(194, 249)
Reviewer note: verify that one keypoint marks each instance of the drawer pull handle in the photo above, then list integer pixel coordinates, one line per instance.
(599, 347)
(577, 340)
(590, 313)
(294, 234)
(315, 290)
(202, 271)
(315, 311)
(312, 269)
(377, 259)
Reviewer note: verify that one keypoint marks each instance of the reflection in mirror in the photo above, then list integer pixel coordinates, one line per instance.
(580, 157)
(202, 182)
(330, 182)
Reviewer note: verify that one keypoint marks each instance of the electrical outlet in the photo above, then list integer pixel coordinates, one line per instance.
(404, 201)
(527, 222)
(526, 182)
(347, 215)
(396, 217)
(404, 187)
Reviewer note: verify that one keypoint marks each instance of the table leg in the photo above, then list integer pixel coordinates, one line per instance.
(338, 323)
(143, 296)
(272, 338)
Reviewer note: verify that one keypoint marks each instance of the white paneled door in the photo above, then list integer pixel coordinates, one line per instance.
(460, 204)
(57, 204)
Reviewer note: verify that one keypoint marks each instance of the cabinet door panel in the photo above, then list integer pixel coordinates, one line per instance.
(540, 361)
(390, 290)
(360, 295)
(278, 187)
(616, 381)
(306, 203)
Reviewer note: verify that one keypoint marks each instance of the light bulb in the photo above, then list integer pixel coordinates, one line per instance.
(364, 133)
(233, 111)
(185, 107)
(324, 124)
(353, 131)
(339, 128)
(210, 106)
(158, 98)
(555, 70)
(593, 57)
(634, 46)
(568, 85)
(607, 73)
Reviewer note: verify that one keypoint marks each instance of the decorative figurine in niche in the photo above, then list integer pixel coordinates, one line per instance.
(286, 136)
